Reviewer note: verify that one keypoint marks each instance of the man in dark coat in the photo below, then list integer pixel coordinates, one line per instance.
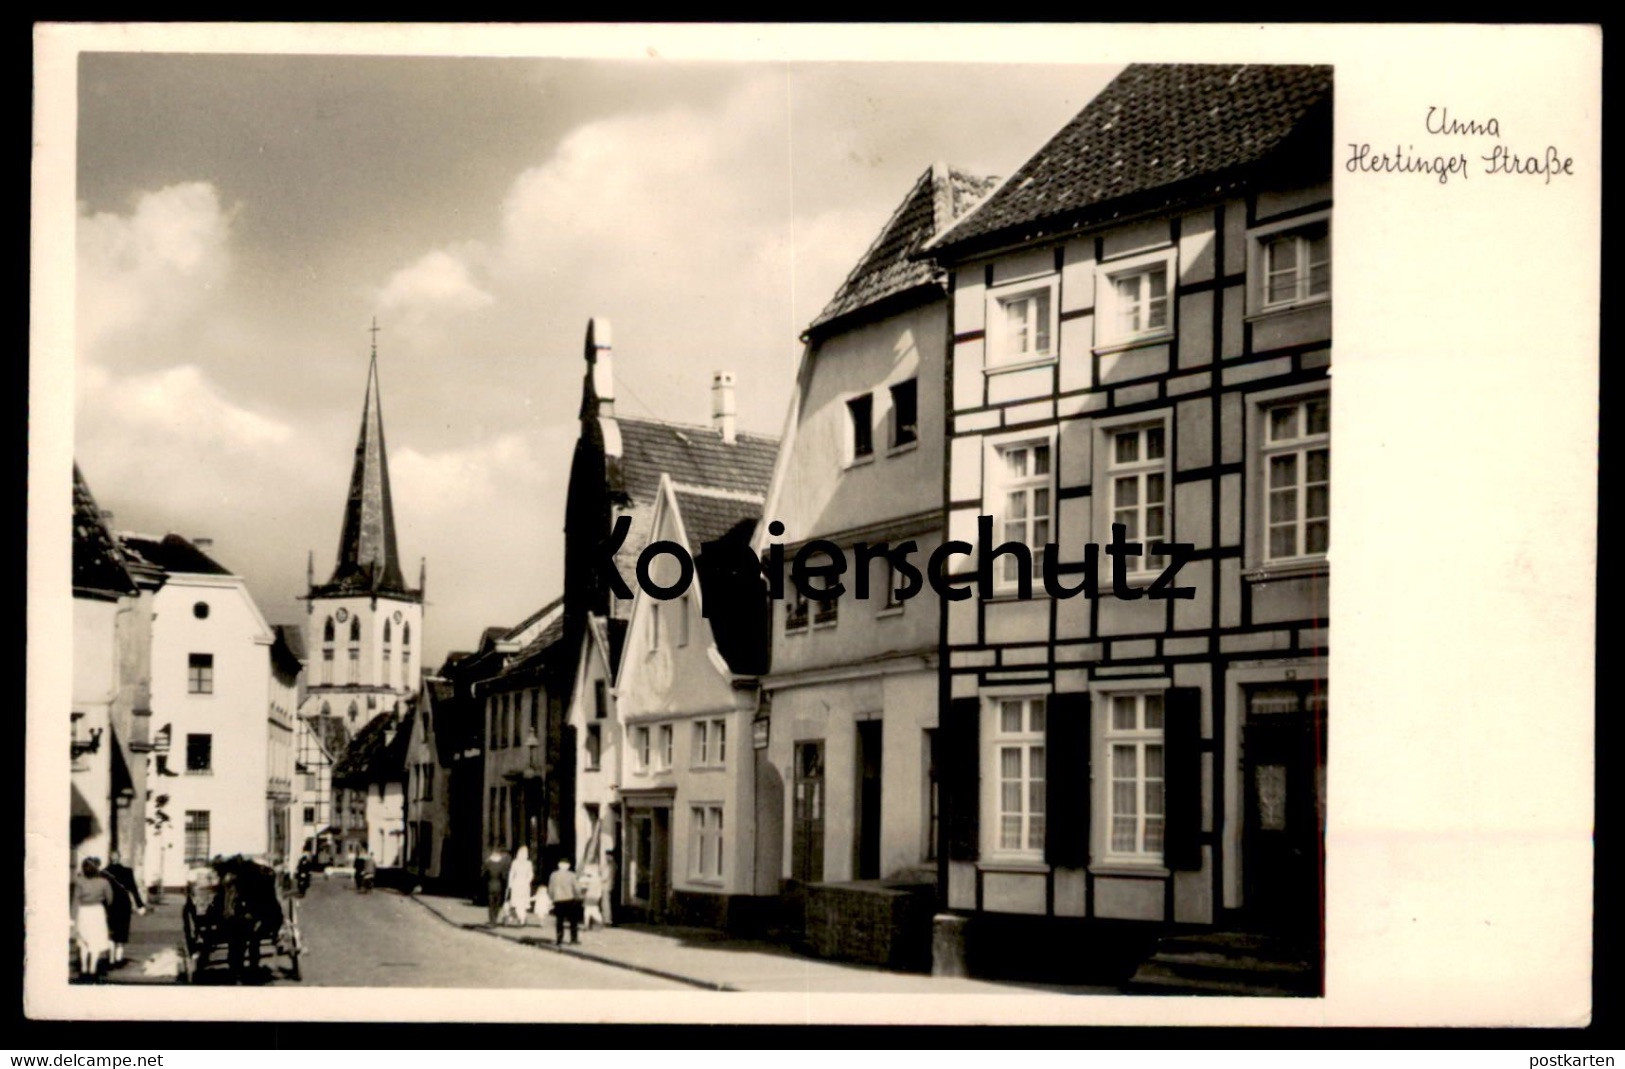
(126, 899)
(495, 870)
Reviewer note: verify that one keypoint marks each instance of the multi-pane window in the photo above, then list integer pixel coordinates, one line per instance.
(710, 743)
(663, 748)
(1134, 762)
(796, 610)
(1018, 763)
(1139, 302)
(826, 613)
(1137, 468)
(197, 838)
(310, 814)
(1022, 325)
(1297, 478)
(1025, 487)
(200, 673)
(705, 854)
(890, 598)
(640, 749)
(1297, 266)
(904, 413)
(199, 755)
(860, 412)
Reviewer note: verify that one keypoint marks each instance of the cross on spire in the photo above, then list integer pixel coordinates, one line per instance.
(373, 330)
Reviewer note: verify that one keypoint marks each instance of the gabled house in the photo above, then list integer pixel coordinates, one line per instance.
(853, 686)
(319, 741)
(687, 694)
(369, 783)
(430, 756)
(112, 695)
(1139, 354)
(212, 680)
(616, 472)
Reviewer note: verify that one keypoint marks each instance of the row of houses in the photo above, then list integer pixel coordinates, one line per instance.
(185, 730)
(1124, 344)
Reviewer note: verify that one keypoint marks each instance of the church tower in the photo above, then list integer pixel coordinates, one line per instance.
(364, 631)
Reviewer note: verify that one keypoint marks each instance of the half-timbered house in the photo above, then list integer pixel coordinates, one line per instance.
(1140, 343)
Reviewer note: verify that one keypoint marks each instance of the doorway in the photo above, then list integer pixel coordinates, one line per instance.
(866, 863)
(1284, 780)
(807, 819)
(648, 878)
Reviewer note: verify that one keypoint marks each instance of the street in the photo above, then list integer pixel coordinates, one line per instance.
(383, 939)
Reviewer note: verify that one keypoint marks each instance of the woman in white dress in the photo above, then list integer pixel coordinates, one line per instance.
(91, 897)
(521, 875)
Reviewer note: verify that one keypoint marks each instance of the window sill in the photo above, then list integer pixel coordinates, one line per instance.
(1285, 309)
(888, 612)
(825, 626)
(1019, 365)
(906, 447)
(859, 462)
(706, 881)
(198, 772)
(1304, 569)
(1124, 344)
(1023, 864)
(1039, 593)
(1129, 868)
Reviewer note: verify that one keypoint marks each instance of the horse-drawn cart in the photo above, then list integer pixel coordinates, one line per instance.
(236, 905)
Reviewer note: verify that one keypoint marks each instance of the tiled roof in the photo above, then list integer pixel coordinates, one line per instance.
(374, 755)
(690, 454)
(173, 554)
(938, 197)
(536, 650)
(1154, 128)
(293, 637)
(707, 517)
(98, 565)
(288, 648)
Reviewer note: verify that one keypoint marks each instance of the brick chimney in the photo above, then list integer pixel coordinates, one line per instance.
(722, 404)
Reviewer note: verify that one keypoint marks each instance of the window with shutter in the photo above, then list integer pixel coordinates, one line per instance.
(961, 783)
(1183, 786)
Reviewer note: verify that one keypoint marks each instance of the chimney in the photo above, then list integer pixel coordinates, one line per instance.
(722, 404)
(203, 543)
(598, 392)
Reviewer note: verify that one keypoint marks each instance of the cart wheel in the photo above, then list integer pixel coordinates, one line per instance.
(293, 963)
(187, 972)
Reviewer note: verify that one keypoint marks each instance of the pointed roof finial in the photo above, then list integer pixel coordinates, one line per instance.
(373, 330)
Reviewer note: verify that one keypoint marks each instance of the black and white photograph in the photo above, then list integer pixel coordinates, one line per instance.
(629, 530)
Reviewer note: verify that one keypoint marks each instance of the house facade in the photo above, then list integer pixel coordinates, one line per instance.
(112, 699)
(686, 695)
(616, 474)
(281, 742)
(852, 692)
(429, 759)
(211, 679)
(1139, 356)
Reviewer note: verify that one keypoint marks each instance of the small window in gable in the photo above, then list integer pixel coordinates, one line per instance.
(904, 413)
(860, 414)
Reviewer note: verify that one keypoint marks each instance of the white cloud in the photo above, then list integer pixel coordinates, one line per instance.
(152, 268)
(437, 285)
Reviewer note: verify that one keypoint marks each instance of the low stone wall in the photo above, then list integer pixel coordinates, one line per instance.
(870, 922)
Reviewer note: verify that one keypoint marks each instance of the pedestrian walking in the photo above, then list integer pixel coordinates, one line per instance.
(495, 871)
(592, 893)
(126, 899)
(91, 896)
(521, 879)
(563, 889)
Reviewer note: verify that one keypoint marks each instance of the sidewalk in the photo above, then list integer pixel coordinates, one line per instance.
(715, 961)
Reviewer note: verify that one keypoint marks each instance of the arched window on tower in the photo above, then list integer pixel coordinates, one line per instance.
(327, 710)
(388, 632)
(406, 655)
(354, 712)
(327, 651)
(355, 650)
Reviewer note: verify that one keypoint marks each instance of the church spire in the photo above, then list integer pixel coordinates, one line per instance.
(368, 561)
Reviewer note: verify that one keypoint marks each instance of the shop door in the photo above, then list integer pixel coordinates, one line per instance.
(807, 820)
(660, 866)
(867, 861)
(1284, 779)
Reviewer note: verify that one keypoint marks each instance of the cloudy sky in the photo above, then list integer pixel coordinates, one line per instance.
(241, 219)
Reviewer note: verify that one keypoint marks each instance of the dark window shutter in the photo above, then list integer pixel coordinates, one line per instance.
(1182, 784)
(1066, 781)
(961, 784)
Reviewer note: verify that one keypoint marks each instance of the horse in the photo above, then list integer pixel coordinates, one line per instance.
(246, 909)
